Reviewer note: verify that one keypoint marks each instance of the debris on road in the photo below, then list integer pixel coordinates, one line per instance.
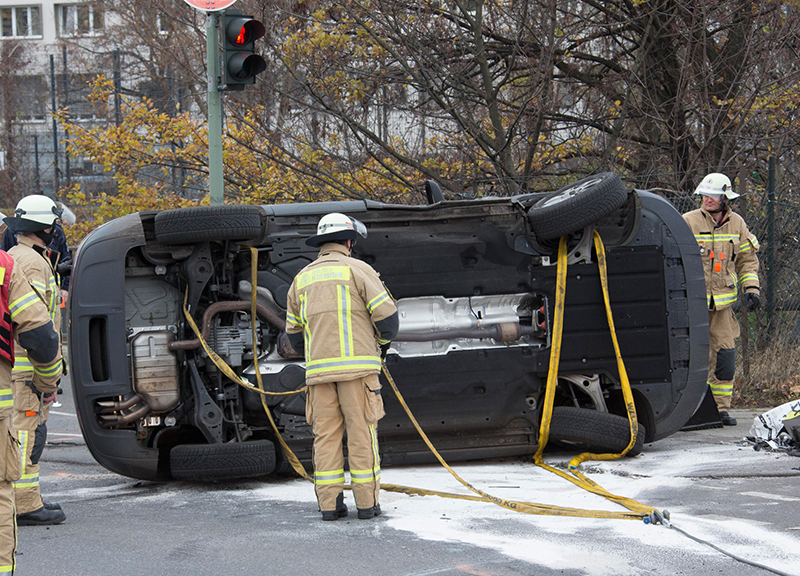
(778, 429)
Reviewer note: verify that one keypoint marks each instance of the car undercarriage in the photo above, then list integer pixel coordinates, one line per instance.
(475, 287)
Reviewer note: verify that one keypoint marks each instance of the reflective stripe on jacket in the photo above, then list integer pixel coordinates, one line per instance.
(729, 255)
(42, 279)
(334, 301)
(28, 313)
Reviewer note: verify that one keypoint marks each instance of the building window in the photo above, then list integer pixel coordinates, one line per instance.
(85, 19)
(78, 89)
(24, 98)
(21, 21)
(32, 94)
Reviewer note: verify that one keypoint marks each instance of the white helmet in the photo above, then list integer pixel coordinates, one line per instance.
(716, 184)
(34, 213)
(336, 226)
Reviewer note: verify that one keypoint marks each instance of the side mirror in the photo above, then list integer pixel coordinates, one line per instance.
(433, 192)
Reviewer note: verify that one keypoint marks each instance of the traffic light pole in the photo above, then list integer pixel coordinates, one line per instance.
(215, 180)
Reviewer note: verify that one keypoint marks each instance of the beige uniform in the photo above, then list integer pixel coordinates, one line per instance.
(27, 312)
(334, 302)
(30, 413)
(730, 262)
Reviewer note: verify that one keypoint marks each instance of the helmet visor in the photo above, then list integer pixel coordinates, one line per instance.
(67, 215)
(359, 227)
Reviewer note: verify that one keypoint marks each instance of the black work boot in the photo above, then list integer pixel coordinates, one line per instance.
(41, 517)
(727, 419)
(51, 505)
(340, 512)
(367, 513)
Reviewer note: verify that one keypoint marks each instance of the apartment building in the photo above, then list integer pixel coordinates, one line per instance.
(43, 68)
(47, 21)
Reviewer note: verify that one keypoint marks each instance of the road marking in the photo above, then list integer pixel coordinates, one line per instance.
(471, 570)
(770, 496)
(61, 413)
(64, 434)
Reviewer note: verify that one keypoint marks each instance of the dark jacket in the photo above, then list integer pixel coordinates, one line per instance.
(59, 244)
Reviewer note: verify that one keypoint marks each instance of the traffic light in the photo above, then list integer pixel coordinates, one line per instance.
(239, 58)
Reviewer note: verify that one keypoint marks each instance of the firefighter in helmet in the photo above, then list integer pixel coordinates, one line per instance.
(730, 264)
(24, 323)
(34, 224)
(343, 317)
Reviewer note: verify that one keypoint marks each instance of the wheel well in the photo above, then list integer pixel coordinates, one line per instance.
(644, 412)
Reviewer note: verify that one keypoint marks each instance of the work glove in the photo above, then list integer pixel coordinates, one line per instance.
(752, 300)
(285, 347)
(64, 268)
(385, 349)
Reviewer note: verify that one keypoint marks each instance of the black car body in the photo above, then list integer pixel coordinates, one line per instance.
(153, 406)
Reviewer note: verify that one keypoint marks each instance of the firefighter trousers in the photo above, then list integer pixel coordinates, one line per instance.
(723, 329)
(331, 408)
(9, 471)
(29, 422)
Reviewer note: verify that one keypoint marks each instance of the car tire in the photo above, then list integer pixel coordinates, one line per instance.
(576, 206)
(593, 431)
(222, 461)
(208, 223)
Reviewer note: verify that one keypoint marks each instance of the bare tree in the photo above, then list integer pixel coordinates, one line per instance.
(363, 96)
(14, 181)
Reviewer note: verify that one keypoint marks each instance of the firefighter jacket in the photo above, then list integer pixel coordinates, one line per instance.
(729, 255)
(32, 326)
(335, 301)
(35, 262)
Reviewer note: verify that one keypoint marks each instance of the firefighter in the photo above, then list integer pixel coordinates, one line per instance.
(24, 315)
(34, 224)
(343, 317)
(730, 263)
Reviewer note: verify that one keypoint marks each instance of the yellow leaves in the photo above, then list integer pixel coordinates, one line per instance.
(102, 89)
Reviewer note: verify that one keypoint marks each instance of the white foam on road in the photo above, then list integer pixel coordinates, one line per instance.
(559, 542)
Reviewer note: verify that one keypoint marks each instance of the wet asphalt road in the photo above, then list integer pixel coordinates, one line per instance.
(120, 526)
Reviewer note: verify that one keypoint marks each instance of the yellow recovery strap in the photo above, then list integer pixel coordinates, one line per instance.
(637, 511)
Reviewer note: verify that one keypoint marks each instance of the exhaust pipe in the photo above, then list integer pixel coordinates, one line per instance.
(109, 420)
(111, 407)
(505, 332)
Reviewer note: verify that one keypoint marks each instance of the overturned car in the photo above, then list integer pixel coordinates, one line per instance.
(475, 286)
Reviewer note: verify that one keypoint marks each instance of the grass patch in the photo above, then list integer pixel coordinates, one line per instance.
(774, 375)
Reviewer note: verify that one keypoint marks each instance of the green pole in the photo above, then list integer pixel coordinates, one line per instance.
(215, 183)
(771, 240)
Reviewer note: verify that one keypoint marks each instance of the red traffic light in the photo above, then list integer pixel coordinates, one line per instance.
(241, 62)
(244, 30)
